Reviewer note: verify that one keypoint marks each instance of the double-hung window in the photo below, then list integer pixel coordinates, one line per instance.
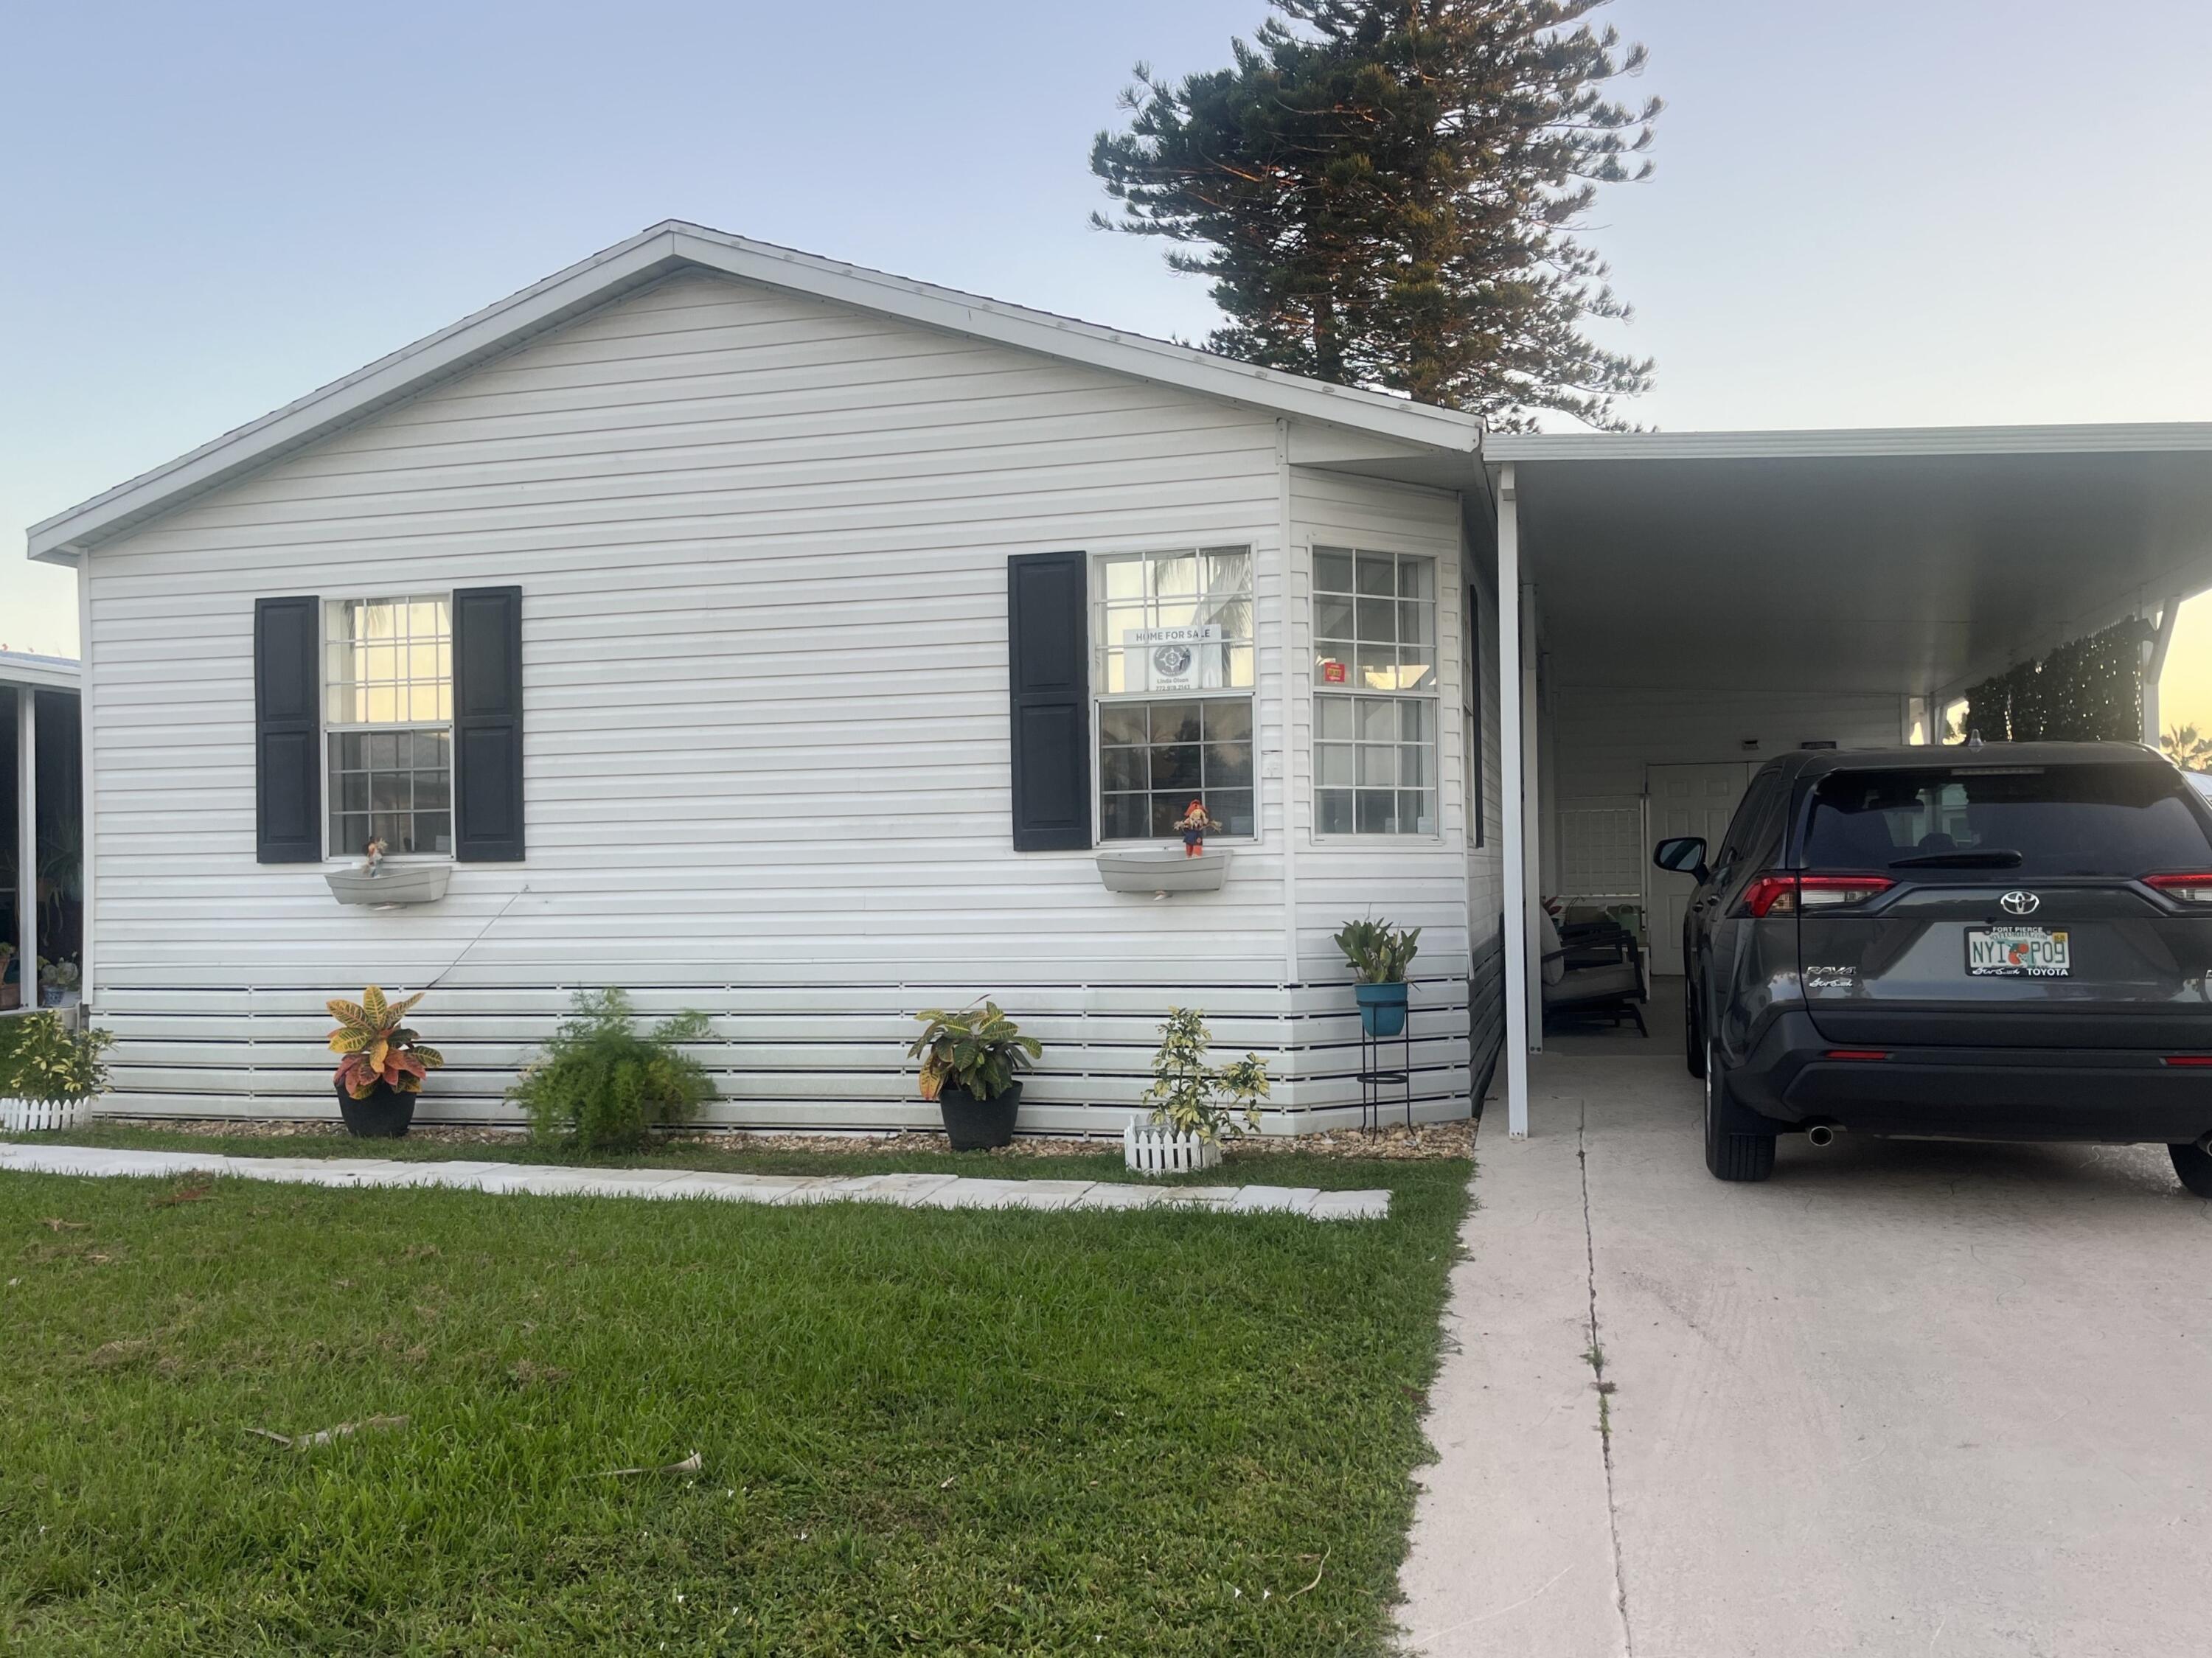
(1375, 692)
(1171, 682)
(388, 720)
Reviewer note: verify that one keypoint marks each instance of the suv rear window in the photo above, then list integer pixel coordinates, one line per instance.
(2123, 820)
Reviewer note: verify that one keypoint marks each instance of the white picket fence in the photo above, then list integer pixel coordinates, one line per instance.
(1150, 1149)
(35, 1116)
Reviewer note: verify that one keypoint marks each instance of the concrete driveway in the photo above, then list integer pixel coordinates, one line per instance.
(1906, 1398)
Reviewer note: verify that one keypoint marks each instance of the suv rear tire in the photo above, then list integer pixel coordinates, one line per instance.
(1731, 1155)
(2193, 1169)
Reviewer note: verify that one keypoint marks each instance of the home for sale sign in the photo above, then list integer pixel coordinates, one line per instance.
(1173, 658)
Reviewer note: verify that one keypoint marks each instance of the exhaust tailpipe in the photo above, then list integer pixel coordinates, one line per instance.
(1820, 1134)
(2204, 1144)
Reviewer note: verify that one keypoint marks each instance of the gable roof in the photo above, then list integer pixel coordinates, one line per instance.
(675, 245)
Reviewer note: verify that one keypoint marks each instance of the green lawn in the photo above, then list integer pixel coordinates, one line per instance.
(921, 1431)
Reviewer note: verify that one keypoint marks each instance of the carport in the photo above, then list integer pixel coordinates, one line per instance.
(1692, 604)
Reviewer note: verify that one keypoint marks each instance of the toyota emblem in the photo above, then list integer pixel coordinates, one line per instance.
(2021, 903)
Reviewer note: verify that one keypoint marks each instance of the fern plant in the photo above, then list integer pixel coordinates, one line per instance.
(1191, 1095)
(599, 1085)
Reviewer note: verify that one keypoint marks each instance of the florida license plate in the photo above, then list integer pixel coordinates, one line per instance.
(2017, 952)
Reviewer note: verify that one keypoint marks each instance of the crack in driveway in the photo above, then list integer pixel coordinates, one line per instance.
(1596, 1356)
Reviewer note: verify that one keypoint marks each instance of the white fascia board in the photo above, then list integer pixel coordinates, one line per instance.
(58, 673)
(674, 246)
(2118, 438)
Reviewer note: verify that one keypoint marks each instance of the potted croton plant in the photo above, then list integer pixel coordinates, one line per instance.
(1379, 954)
(383, 1067)
(1194, 1102)
(968, 1062)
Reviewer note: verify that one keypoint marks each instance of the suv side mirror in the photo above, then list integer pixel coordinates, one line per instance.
(1682, 854)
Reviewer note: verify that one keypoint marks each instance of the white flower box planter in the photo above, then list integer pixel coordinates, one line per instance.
(39, 1116)
(1158, 870)
(1152, 1149)
(391, 884)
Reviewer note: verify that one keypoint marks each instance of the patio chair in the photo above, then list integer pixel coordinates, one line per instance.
(1598, 974)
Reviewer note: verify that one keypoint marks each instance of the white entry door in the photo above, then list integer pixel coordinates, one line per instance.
(1685, 801)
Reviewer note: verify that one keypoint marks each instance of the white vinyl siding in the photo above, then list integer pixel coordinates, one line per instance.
(763, 543)
(1421, 882)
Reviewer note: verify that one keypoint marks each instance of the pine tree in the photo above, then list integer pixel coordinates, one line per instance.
(1382, 194)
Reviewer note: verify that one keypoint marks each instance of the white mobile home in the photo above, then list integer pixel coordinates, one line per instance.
(789, 641)
(804, 644)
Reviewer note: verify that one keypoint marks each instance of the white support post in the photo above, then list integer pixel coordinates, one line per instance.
(1512, 815)
(86, 773)
(2154, 666)
(1536, 779)
(27, 844)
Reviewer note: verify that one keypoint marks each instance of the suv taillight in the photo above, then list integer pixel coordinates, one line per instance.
(1782, 893)
(2189, 888)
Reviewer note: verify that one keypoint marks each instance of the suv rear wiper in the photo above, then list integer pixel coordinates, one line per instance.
(1993, 859)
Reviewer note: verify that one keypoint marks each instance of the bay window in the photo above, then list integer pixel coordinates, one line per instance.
(388, 723)
(1171, 684)
(1375, 692)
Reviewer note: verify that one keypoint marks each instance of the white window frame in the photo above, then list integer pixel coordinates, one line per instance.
(350, 856)
(1441, 565)
(1094, 600)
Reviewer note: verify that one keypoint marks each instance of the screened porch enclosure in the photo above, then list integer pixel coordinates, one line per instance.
(1690, 606)
(41, 832)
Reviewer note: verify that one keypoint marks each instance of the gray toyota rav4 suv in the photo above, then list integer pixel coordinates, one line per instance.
(2001, 941)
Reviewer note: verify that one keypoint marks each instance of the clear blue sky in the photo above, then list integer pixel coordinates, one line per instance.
(1867, 212)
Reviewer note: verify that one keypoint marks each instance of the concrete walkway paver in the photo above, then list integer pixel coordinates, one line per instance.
(1904, 1398)
(906, 1190)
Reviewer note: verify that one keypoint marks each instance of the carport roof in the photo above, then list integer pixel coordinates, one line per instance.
(1905, 560)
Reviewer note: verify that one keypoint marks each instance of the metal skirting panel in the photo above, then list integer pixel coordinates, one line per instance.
(1485, 1016)
(789, 1056)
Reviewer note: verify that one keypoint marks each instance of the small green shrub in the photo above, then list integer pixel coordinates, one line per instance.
(1191, 1095)
(41, 1058)
(600, 1086)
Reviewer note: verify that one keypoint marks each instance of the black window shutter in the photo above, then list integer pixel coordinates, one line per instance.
(288, 731)
(488, 724)
(1048, 640)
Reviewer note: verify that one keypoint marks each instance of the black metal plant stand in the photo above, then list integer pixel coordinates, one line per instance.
(1377, 1078)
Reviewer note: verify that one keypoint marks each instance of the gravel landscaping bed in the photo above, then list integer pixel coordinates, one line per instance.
(1424, 1141)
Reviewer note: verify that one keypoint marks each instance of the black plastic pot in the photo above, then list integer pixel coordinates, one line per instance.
(974, 1125)
(386, 1114)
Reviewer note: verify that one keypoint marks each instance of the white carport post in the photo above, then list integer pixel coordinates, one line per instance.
(2154, 665)
(27, 844)
(1513, 759)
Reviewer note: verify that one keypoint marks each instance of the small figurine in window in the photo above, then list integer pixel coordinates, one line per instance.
(1195, 822)
(372, 854)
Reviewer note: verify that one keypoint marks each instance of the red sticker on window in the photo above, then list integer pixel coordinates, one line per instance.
(1332, 673)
